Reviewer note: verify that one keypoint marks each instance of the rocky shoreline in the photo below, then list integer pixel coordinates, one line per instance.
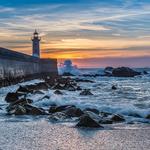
(19, 104)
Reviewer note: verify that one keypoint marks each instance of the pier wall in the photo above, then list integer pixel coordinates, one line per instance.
(14, 65)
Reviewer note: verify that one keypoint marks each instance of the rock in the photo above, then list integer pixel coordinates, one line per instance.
(32, 110)
(92, 110)
(58, 116)
(38, 92)
(42, 86)
(54, 109)
(70, 87)
(24, 109)
(148, 116)
(86, 121)
(105, 114)
(74, 112)
(124, 72)
(108, 71)
(117, 118)
(16, 110)
(86, 92)
(114, 87)
(23, 90)
(78, 88)
(58, 87)
(11, 97)
(22, 101)
(45, 97)
(145, 72)
(58, 92)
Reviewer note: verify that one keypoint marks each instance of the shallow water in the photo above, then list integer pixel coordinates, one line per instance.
(41, 135)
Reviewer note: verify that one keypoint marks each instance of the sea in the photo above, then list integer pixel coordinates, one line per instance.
(131, 99)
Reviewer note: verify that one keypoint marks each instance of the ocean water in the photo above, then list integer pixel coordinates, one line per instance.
(131, 99)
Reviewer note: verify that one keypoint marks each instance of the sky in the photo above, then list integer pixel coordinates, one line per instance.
(93, 33)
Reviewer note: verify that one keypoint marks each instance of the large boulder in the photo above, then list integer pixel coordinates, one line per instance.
(86, 121)
(108, 71)
(124, 72)
(24, 109)
(11, 97)
(24, 89)
(22, 101)
(58, 116)
(54, 109)
(32, 110)
(58, 86)
(92, 110)
(42, 86)
(16, 110)
(117, 118)
(148, 116)
(74, 112)
(114, 87)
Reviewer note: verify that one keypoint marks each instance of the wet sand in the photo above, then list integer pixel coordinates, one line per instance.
(42, 135)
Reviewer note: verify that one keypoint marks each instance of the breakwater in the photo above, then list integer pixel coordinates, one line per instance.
(15, 66)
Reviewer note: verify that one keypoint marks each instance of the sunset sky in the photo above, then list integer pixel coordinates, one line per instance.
(93, 33)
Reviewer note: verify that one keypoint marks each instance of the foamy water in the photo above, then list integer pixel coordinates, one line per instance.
(131, 99)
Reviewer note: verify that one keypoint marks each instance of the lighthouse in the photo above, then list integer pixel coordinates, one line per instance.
(36, 44)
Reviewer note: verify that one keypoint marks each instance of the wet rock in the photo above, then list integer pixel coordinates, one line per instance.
(32, 110)
(54, 109)
(145, 72)
(92, 110)
(70, 86)
(78, 88)
(58, 87)
(148, 116)
(74, 112)
(11, 97)
(58, 116)
(108, 71)
(22, 101)
(124, 72)
(16, 110)
(23, 107)
(38, 92)
(42, 86)
(86, 121)
(114, 87)
(24, 89)
(105, 114)
(58, 92)
(117, 118)
(86, 92)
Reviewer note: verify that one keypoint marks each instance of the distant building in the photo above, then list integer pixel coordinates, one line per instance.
(36, 44)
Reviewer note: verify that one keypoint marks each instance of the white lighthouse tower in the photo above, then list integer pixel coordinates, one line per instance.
(36, 44)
